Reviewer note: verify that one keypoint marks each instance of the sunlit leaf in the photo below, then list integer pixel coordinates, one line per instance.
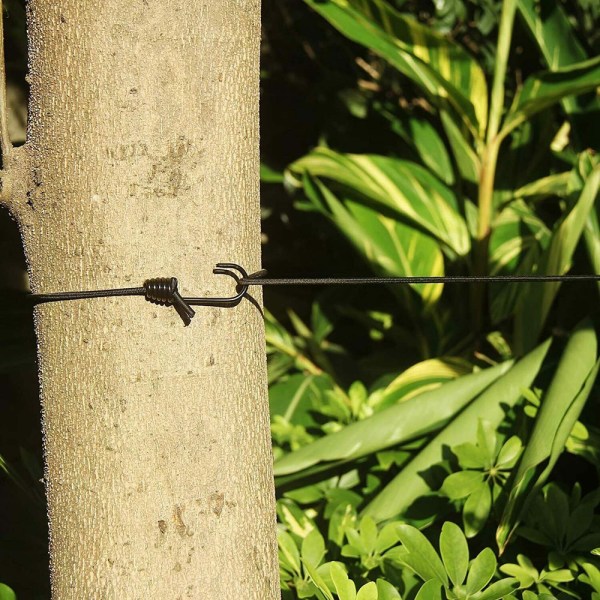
(549, 87)
(560, 409)
(409, 484)
(442, 68)
(394, 425)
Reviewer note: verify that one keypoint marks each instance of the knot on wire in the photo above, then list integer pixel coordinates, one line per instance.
(164, 291)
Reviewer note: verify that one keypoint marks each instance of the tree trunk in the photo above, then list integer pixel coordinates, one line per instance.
(142, 161)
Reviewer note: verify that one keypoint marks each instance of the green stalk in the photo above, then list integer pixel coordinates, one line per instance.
(489, 154)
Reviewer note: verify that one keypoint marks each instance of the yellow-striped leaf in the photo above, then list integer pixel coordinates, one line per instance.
(390, 246)
(549, 87)
(397, 187)
(449, 75)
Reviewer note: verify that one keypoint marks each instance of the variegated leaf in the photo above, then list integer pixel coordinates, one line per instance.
(450, 76)
(400, 186)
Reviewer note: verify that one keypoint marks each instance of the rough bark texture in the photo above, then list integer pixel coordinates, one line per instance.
(142, 161)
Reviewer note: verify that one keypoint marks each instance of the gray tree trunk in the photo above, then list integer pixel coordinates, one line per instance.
(142, 161)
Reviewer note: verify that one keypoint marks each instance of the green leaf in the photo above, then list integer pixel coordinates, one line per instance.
(431, 148)
(368, 533)
(288, 551)
(518, 239)
(390, 184)
(367, 591)
(313, 548)
(409, 484)
(470, 456)
(592, 241)
(535, 300)
(270, 175)
(390, 246)
(462, 484)
(386, 591)
(430, 590)
(466, 159)
(424, 560)
(477, 510)
(394, 425)
(455, 552)
(556, 417)
(549, 87)
(344, 587)
(318, 580)
(509, 453)
(557, 40)
(556, 184)
(481, 572)
(423, 376)
(500, 589)
(6, 593)
(443, 69)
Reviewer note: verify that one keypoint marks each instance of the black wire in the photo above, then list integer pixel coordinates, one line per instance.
(258, 279)
(251, 280)
(83, 295)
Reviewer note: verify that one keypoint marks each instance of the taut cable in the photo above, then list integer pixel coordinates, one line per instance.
(165, 291)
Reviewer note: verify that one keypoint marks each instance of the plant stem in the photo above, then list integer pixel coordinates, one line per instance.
(497, 98)
(489, 157)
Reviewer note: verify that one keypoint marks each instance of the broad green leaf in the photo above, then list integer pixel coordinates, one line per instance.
(270, 175)
(423, 557)
(393, 186)
(400, 423)
(560, 409)
(466, 158)
(293, 398)
(313, 548)
(424, 376)
(388, 537)
(481, 571)
(509, 452)
(506, 391)
(294, 518)
(462, 484)
(288, 551)
(387, 591)
(390, 246)
(431, 148)
(318, 580)
(443, 69)
(430, 590)
(368, 533)
(500, 589)
(519, 236)
(455, 552)
(592, 241)
(535, 300)
(549, 87)
(559, 45)
(477, 510)
(552, 31)
(344, 587)
(6, 593)
(551, 185)
(367, 591)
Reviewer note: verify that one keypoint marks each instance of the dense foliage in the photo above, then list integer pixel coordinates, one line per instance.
(440, 442)
(429, 441)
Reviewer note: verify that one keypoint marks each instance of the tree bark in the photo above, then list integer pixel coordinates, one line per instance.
(142, 161)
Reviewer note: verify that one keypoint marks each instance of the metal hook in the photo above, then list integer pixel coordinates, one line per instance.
(224, 269)
(165, 291)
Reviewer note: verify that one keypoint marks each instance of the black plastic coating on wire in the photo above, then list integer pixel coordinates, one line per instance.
(164, 291)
